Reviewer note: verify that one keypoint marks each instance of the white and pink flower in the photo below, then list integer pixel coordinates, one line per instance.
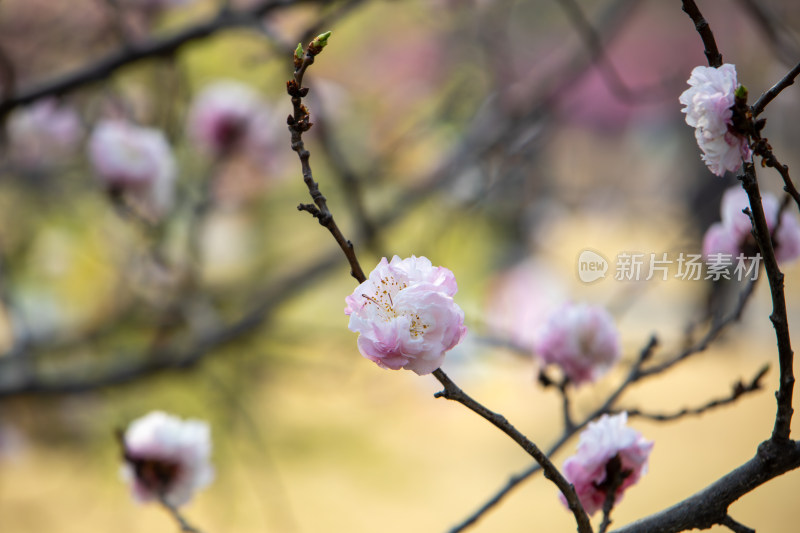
(600, 442)
(709, 101)
(580, 339)
(167, 457)
(134, 160)
(43, 133)
(732, 236)
(227, 116)
(405, 315)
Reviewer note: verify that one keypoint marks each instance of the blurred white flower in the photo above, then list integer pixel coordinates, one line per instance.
(167, 457)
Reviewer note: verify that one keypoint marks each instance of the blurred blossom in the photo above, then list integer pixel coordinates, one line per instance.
(42, 133)
(581, 339)
(134, 160)
(733, 235)
(405, 315)
(520, 299)
(166, 456)
(600, 442)
(227, 116)
(708, 104)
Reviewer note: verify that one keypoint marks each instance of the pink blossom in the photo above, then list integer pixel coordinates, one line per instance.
(405, 315)
(136, 160)
(225, 116)
(167, 456)
(708, 102)
(520, 297)
(581, 339)
(732, 236)
(599, 443)
(42, 133)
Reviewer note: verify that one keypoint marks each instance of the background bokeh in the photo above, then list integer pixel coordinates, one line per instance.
(482, 134)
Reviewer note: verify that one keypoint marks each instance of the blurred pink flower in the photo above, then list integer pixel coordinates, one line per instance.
(226, 116)
(167, 456)
(405, 315)
(521, 297)
(708, 102)
(599, 443)
(136, 160)
(43, 133)
(733, 236)
(581, 339)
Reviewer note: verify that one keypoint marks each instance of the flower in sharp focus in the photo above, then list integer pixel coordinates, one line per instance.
(709, 101)
(599, 444)
(134, 160)
(167, 457)
(405, 315)
(581, 339)
(43, 133)
(732, 235)
(227, 116)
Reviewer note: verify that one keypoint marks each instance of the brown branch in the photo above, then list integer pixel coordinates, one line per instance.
(104, 67)
(636, 373)
(735, 526)
(783, 417)
(710, 505)
(453, 392)
(702, 27)
(769, 95)
(739, 389)
(300, 122)
(176, 514)
(615, 477)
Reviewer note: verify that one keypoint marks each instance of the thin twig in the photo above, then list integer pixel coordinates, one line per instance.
(184, 525)
(783, 417)
(735, 526)
(453, 392)
(768, 96)
(739, 389)
(103, 67)
(702, 27)
(300, 122)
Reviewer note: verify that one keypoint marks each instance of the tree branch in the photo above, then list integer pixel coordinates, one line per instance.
(103, 67)
(453, 392)
(702, 27)
(710, 506)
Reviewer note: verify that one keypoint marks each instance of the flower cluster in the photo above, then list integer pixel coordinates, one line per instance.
(405, 315)
(134, 160)
(709, 102)
(732, 236)
(581, 339)
(166, 457)
(43, 133)
(227, 116)
(600, 442)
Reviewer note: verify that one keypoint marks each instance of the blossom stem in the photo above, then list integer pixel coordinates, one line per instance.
(702, 27)
(185, 526)
(453, 392)
(783, 417)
